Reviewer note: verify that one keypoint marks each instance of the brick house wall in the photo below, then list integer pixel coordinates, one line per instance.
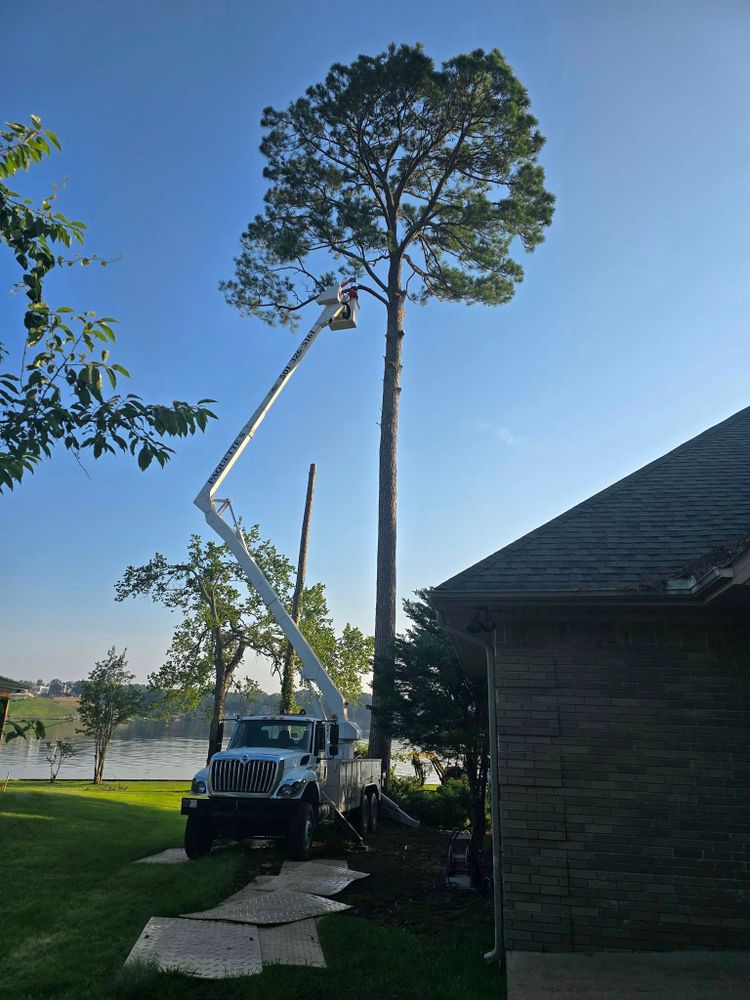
(624, 752)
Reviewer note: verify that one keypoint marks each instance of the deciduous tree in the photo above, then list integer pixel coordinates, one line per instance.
(58, 751)
(107, 701)
(58, 380)
(222, 619)
(421, 181)
(347, 657)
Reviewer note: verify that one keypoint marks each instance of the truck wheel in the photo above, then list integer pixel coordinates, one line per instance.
(363, 816)
(301, 833)
(374, 812)
(198, 837)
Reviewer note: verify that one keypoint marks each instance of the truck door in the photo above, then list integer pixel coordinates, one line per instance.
(319, 738)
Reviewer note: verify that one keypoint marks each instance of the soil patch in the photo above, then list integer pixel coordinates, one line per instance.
(407, 888)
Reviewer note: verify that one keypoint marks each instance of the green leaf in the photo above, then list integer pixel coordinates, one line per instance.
(58, 395)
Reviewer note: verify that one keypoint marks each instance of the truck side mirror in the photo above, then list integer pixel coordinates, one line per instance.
(320, 738)
(333, 740)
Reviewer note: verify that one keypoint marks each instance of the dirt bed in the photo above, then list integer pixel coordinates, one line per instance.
(407, 885)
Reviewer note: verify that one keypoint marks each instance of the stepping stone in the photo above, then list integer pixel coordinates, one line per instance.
(200, 949)
(172, 856)
(282, 907)
(291, 944)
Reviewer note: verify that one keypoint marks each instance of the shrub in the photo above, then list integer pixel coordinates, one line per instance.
(444, 807)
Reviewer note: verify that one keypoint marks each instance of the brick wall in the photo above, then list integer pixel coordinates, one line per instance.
(625, 783)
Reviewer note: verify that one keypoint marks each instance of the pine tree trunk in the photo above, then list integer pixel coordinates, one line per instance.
(385, 594)
(287, 703)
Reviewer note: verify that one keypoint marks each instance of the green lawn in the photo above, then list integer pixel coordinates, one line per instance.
(43, 708)
(73, 905)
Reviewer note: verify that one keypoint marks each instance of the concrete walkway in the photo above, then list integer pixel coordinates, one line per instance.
(674, 975)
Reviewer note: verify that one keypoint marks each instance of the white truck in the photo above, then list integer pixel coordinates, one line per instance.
(280, 775)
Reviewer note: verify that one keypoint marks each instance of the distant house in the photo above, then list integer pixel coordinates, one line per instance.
(8, 690)
(620, 665)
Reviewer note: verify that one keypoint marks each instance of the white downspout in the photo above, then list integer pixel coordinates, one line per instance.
(489, 645)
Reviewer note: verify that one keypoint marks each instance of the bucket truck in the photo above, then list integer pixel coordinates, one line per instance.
(282, 774)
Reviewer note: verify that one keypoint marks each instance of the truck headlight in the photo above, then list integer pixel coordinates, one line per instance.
(198, 787)
(291, 789)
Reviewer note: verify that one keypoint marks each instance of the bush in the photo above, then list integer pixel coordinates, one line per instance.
(445, 807)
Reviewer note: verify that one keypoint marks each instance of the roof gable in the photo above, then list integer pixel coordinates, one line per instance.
(651, 526)
(8, 686)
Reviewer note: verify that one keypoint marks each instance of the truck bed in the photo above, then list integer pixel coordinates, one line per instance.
(343, 780)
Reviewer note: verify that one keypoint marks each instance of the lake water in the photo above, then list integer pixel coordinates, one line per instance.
(145, 749)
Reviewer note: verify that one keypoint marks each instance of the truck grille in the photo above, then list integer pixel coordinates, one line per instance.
(243, 775)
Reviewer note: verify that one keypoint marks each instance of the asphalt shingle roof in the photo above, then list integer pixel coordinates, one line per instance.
(656, 524)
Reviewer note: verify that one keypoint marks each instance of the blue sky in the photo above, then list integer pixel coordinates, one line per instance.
(628, 335)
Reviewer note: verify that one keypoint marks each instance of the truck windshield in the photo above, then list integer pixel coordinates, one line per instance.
(271, 734)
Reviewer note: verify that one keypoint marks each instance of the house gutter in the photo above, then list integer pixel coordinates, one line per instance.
(689, 585)
(489, 645)
(675, 593)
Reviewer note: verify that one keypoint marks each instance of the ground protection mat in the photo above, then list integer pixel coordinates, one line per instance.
(172, 856)
(302, 881)
(291, 944)
(310, 868)
(281, 907)
(204, 950)
(334, 862)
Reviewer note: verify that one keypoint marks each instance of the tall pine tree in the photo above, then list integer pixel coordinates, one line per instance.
(423, 183)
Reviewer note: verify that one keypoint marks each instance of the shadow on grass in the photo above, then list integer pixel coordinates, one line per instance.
(74, 905)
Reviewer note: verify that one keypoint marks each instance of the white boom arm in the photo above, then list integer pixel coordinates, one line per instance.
(339, 310)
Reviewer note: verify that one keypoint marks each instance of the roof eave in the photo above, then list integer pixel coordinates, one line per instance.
(520, 597)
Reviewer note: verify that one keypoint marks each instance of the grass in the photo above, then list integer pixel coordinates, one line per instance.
(46, 709)
(73, 905)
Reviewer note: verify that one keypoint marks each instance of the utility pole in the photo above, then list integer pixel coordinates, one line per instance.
(287, 676)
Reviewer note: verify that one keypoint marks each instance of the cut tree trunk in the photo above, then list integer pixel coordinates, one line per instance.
(385, 594)
(288, 672)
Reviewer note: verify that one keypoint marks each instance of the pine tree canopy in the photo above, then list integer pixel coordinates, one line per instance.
(390, 163)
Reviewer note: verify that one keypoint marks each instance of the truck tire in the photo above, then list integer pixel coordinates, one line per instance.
(299, 839)
(198, 837)
(374, 805)
(363, 816)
